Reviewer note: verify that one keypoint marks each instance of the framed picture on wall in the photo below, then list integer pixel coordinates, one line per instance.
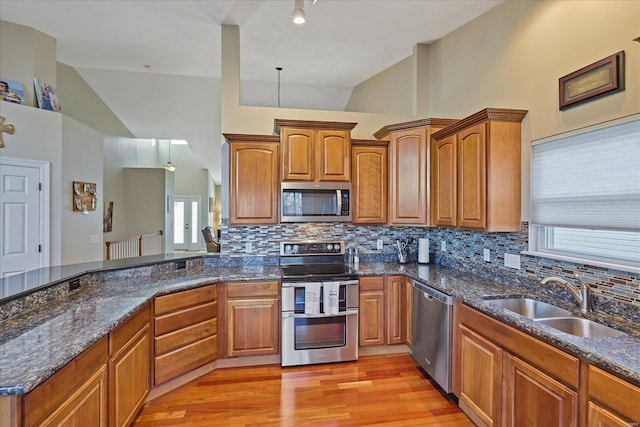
(601, 78)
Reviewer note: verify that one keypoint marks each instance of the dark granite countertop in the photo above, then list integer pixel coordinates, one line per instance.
(619, 354)
(36, 344)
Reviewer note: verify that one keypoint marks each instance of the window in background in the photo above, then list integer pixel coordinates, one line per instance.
(585, 195)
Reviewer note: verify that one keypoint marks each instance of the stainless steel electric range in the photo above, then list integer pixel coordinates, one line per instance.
(319, 303)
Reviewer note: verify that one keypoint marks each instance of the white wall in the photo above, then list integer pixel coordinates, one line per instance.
(74, 152)
(293, 95)
(513, 56)
(81, 235)
(389, 91)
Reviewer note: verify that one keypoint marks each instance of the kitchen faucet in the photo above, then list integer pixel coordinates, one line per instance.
(580, 291)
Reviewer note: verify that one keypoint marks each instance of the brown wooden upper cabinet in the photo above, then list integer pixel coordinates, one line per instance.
(369, 180)
(253, 179)
(408, 169)
(475, 172)
(315, 151)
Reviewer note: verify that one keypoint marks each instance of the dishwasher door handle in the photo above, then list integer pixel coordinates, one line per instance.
(427, 296)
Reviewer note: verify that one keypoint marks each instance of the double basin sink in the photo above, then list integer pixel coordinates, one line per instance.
(555, 317)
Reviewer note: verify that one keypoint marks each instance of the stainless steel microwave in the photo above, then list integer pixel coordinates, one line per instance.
(315, 201)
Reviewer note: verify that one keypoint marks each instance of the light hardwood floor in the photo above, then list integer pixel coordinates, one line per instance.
(386, 390)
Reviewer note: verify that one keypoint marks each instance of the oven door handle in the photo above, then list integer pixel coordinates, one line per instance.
(290, 315)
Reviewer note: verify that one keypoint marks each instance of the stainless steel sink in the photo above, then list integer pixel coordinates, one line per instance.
(530, 308)
(580, 327)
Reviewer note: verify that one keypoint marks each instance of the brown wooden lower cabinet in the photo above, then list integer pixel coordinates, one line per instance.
(371, 311)
(185, 329)
(613, 402)
(252, 318)
(531, 397)
(75, 395)
(480, 377)
(503, 376)
(129, 367)
(385, 315)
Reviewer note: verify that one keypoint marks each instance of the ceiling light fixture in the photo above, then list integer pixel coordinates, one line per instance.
(298, 12)
(170, 166)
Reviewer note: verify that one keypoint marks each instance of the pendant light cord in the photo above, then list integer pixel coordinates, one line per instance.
(279, 69)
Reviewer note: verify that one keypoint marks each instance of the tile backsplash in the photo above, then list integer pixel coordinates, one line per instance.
(464, 249)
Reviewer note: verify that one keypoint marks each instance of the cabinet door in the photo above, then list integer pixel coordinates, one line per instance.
(369, 184)
(298, 154)
(600, 417)
(395, 313)
(333, 153)
(252, 327)
(254, 183)
(130, 378)
(472, 178)
(408, 177)
(620, 397)
(87, 406)
(408, 310)
(480, 379)
(371, 318)
(444, 176)
(534, 398)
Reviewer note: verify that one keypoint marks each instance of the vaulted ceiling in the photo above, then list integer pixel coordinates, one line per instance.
(127, 50)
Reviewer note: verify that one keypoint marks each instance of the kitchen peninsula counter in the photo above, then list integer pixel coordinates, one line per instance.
(34, 345)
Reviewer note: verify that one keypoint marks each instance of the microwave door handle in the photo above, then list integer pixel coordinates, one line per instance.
(339, 203)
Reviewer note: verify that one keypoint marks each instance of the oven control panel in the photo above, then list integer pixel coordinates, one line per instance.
(315, 247)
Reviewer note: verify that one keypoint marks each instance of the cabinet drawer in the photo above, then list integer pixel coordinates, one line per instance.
(555, 362)
(183, 318)
(375, 283)
(253, 289)
(185, 359)
(181, 300)
(123, 333)
(617, 394)
(173, 340)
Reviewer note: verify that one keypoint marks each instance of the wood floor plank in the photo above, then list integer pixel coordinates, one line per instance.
(386, 390)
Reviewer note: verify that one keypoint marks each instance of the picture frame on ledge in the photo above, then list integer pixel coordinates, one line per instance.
(46, 96)
(601, 78)
(11, 91)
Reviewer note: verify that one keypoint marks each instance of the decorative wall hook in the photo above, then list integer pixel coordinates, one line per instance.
(5, 129)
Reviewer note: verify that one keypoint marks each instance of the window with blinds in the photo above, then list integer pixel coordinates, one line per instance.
(585, 195)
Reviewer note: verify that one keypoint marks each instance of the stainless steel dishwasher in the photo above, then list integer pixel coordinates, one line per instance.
(431, 323)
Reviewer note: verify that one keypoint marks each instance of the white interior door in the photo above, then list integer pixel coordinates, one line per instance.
(22, 207)
(186, 231)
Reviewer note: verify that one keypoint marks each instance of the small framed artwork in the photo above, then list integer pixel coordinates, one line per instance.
(11, 91)
(598, 79)
(46, 96)
(107, 224)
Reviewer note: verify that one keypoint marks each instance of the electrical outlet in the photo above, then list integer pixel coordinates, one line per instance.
(443, 246)
(380, 244)
(248, 247)
(487, 255)
(94, 238)
(512, 261)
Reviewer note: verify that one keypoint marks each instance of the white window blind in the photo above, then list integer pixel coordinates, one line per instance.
(588, 180)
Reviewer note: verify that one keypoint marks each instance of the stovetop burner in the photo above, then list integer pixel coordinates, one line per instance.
(314, 260)
(318, 271)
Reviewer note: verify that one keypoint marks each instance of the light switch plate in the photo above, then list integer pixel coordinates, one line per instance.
(248, 247)
(512, 261)
(443, 246)
(380, 244)
(487, 255)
